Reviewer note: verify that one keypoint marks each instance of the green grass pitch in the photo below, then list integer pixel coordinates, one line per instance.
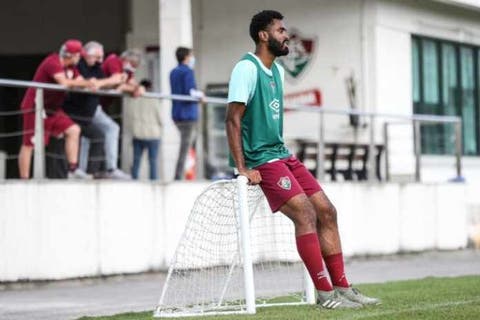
(429, 298)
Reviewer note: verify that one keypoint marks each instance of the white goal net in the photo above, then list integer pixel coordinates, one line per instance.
(208, 275)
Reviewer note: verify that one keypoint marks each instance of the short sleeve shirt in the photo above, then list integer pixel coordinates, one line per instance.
(243, 80)
(45, 73)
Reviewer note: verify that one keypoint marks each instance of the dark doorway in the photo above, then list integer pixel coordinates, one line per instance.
(19, 67)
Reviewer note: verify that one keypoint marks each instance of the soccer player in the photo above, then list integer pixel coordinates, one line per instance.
(254, 125)
(57, 68)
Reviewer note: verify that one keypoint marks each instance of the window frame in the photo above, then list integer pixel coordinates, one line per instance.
(421, 107)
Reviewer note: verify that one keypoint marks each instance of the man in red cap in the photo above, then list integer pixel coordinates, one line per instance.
(58, 68)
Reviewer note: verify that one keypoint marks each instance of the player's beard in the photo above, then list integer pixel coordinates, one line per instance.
(275, 47)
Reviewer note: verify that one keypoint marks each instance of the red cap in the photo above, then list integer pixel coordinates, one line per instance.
(73, 46)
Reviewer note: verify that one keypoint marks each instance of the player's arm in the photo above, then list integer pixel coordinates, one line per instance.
(132, 87)
(191, 87)
(241, 87)
(114, 80)
(233, 124)
(78, 82)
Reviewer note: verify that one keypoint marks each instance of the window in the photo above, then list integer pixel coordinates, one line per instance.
(445, 78)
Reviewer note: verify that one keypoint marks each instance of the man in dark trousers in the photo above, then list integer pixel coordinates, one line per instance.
(82, 107)
(184, 113)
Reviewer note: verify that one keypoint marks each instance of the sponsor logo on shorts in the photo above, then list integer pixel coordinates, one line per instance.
(284, 183)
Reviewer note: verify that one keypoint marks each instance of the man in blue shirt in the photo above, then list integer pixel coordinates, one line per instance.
(184, 113)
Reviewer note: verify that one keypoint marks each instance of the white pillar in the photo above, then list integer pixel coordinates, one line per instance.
(175, 30)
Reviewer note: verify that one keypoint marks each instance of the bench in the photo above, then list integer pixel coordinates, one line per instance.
(354, 156)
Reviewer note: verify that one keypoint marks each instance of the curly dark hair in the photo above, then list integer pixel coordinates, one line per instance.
(261, 21)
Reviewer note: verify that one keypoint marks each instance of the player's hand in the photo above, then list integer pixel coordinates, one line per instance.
(252, 175)
(139, 91)
(93, 84)
(123, 77)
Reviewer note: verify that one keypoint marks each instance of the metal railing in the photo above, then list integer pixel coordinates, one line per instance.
(416, 120)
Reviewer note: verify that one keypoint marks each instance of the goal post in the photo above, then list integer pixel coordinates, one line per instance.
(244, 216)
(234, 256)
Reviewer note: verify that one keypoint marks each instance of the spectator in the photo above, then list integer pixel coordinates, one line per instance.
(184, 113)
(125, 66)
(55, 68)
(120, 71)
(82, 107)
(145, 116)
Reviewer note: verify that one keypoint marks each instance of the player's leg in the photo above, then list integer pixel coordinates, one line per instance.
(111, 131)
(152, 158)
(187, 130)
(26, 150)
(327, 230)
(328, 234)
(58, 124)
(137, 156)
(72, 138)
(285, 194)
(24, 161)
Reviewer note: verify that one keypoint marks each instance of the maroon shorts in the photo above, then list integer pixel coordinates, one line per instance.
(54, 125)
(282, 179)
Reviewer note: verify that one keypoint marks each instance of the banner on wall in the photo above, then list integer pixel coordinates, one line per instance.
(311, 97)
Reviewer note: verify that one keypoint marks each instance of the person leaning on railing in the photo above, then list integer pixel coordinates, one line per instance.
(56, 68)
(115, 67)
(82, 107)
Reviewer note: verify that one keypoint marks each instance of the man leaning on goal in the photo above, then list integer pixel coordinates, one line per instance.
(254, 125)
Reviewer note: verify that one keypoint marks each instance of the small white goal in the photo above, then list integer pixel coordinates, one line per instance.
(235, 255)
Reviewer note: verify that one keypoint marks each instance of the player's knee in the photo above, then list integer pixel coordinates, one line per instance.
(329, 216)
(307, 217)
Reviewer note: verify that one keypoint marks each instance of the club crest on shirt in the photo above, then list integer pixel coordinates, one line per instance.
(302, 49)
(284, 183)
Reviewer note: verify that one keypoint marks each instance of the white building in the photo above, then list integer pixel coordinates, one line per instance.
(404, 57)
(386, 47)
(400, 54)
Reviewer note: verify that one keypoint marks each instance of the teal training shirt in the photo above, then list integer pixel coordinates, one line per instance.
(262, 123)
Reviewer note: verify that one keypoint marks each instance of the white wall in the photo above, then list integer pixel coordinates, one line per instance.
(57, 230)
